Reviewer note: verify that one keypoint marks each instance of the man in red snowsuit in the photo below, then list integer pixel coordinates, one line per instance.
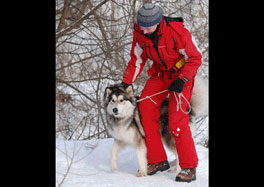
(176, 59)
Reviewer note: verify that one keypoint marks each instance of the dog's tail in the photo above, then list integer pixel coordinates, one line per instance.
(199, 100)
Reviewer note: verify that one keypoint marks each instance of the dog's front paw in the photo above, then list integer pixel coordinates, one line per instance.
(141, 174)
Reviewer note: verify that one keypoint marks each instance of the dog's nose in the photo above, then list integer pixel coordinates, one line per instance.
(115, 110)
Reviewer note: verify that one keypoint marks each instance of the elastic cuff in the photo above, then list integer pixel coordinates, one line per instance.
(183, 78)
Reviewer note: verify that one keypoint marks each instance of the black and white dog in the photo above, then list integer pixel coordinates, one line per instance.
(124, 124)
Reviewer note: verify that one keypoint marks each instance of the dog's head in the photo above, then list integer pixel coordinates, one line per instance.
(119, 102)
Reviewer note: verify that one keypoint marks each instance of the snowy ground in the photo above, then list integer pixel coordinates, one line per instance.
(87, 164)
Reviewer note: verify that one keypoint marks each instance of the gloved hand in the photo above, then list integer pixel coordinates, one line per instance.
(125, 85)
(177, 85)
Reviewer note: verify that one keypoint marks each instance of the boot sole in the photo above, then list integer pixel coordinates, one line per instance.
(178, 179)
(162, 168)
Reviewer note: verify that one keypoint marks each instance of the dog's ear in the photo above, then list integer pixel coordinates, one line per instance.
(108, 91)
(129, 91)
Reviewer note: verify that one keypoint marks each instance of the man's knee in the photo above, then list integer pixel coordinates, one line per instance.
(178, 127)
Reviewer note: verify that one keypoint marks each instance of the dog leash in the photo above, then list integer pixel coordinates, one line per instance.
(149, 97)
(179, 101)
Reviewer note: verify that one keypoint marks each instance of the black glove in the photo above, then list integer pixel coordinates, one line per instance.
(125, 85)
(177, 85)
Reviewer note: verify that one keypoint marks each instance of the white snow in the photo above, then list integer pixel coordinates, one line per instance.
(88, 165)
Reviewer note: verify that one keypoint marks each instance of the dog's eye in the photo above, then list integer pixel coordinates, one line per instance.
(121, 100)
(112, 100)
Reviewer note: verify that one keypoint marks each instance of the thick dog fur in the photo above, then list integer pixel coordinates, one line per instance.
(124, 124)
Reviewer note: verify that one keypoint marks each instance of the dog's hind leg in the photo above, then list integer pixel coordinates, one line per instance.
(173, 163)
(117, 146)
(141, 152)
(175, 166)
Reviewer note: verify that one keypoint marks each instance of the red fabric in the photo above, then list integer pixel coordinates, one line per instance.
(178, 121)
(175, 40)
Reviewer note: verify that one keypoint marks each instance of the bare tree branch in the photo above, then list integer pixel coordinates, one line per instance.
(77, 23)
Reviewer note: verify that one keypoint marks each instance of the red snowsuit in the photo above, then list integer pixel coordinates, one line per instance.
(175, 42)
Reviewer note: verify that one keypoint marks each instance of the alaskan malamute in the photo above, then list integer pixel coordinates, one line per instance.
(124, 124)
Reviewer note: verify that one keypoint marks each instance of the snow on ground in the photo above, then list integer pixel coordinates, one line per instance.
(89, 163)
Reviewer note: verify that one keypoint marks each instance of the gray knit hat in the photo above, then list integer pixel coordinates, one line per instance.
(149, 15)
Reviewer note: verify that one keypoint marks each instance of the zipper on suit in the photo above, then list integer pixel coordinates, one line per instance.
(146, 51)
(157, 50)
(150, 52)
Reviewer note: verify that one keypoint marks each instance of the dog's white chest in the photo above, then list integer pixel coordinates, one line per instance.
(122, 133)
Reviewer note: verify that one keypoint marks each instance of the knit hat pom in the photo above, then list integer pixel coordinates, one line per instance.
(149, 15)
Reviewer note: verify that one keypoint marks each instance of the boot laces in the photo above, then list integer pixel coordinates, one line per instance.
(186, 171)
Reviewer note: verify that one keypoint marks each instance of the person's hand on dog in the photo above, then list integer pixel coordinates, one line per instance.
(176, 86)
(125, 85)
